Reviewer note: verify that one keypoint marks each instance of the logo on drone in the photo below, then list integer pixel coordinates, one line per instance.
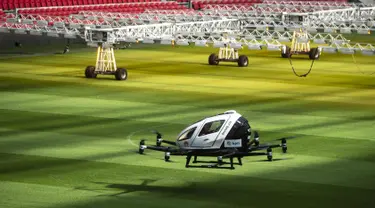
(186, 144)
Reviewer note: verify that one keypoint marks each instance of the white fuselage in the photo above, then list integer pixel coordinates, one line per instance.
(218, 126)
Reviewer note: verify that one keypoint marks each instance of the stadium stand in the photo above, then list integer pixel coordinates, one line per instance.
(117, 7)
(13, 4)
(154, 4)
(200, 4)
(2, 16)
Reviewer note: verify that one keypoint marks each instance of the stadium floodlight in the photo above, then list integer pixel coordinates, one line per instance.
(346, 30)
(148, 41)
(92, 44)
(346, 50)
(363, 31)
(279, 28)
(248, 37)
(36, 32)
(262, 28)
(368, 52)
(273, 47)
(312, 30)
(202, 43)
(254, 46)
(338, 42)
(329, 30)
(183, 42)
(329, 49)
(21, 31)
(283, 39)
(131, 40)
(67, 35)
(53, 34)
(166, 41)
(219, 44)
(4, 30)
(235, 45)
(319, 41)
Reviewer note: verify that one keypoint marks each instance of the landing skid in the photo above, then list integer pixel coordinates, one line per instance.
(216, 164)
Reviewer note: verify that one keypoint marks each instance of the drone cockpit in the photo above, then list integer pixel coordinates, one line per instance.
(211, 132)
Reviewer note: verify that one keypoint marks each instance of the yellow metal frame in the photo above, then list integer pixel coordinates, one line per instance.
(297, 46)
(105, 59)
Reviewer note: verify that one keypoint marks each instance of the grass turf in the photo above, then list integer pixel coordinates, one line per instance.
(67, 141)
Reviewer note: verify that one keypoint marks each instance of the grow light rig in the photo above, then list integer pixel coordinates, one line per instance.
(300, 45)
(228, 52)
(103, 39)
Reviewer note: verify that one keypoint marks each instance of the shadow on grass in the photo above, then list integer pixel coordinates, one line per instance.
(277, 188)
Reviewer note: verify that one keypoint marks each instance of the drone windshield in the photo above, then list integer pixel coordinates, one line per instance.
(187, 134)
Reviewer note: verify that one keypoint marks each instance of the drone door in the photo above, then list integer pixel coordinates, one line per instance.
(209, 131)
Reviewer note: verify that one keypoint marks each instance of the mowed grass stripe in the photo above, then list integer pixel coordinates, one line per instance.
(108, 179)
(29, 195)
(302, 155)
(60, 142)
(291, 103)
(280, 90)
(172, 64)
(66, 172)
(315, 136)
(19, 195)
(127, 111)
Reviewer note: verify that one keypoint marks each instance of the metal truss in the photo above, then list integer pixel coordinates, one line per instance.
(347, 20)
(216, 32)
(159, 31)
(344, 15)
(266, 23)
(308, 3)
(347, 48)
(161, 16)
(281, 6)
(116, 20)
(38, 30)
(201, 30)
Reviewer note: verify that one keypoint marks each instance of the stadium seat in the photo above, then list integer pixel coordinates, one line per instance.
(13, 4)
(201, 4)
(117, 7)
(2, 16)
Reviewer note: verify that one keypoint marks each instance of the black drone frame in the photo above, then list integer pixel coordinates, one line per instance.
(251, 150)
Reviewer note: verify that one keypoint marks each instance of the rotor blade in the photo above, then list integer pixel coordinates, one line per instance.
(291, 137)
(155, 132)
(263, 146)
(229, 154)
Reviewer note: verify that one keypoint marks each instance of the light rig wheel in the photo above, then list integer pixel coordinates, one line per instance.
(243, 61)
(141, 149)
(286, 53)
(90, 72)
(283, 145)
(121, 74)
(167, 156)
(269, 154)
(213, 59)
(314, 54)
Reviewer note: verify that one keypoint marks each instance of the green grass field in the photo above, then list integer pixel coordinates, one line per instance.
(67, 141)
